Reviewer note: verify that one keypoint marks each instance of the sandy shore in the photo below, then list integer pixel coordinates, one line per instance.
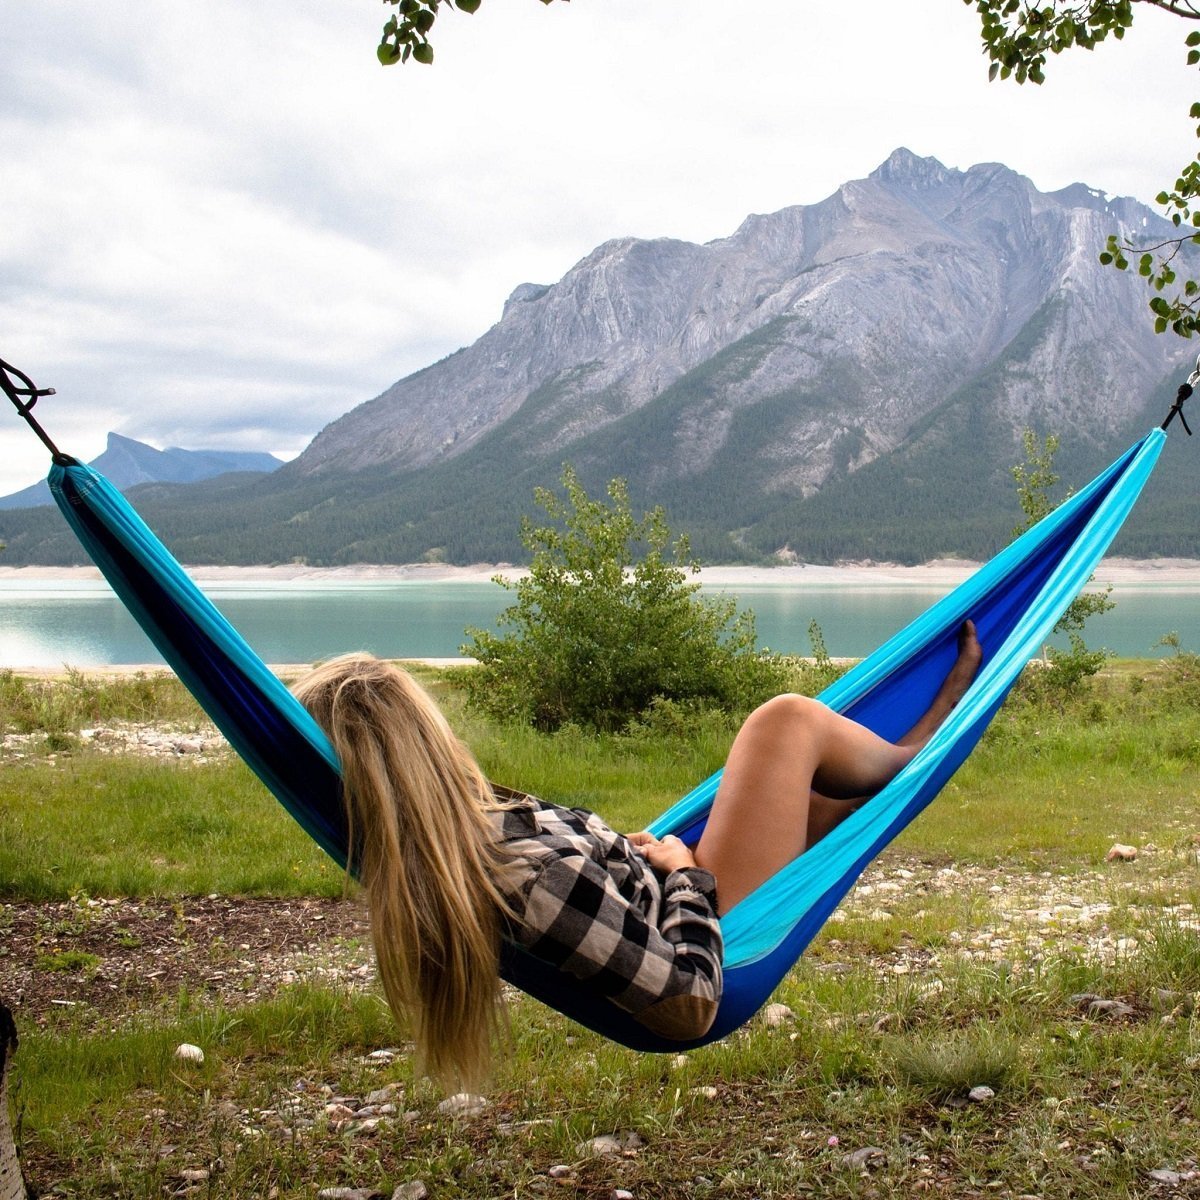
(935, 574)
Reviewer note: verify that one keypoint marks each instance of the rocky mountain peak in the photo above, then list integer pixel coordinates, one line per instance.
(807, 345)
(903, 168)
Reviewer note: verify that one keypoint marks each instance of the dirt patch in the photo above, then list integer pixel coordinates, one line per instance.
(101, 959)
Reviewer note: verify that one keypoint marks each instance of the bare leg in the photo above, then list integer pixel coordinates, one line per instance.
(793, 768)
(825, 814)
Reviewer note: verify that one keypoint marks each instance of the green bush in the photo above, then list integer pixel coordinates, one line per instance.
(606, 624)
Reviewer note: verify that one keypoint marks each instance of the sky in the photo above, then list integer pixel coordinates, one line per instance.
(224, 225)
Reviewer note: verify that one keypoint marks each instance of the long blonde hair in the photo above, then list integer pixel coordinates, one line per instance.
(427, 856)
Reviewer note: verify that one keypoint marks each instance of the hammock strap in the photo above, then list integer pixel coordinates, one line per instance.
(35, 393)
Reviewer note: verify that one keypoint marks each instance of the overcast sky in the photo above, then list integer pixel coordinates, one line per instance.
(224, 225)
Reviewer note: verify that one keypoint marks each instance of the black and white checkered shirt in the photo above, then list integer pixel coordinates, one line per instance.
(592, 905)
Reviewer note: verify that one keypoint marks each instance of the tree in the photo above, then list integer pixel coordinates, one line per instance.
(1017, 37)
(1035, 479)
(606, 624)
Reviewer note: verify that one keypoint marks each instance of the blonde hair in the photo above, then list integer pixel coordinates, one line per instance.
(426, 853)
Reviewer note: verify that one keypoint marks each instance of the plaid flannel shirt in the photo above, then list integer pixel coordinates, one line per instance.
(592, 905)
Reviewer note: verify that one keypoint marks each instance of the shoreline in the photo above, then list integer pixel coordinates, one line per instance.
(944, 572)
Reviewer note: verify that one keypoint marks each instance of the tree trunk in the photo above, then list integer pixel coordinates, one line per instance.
(12, 1183)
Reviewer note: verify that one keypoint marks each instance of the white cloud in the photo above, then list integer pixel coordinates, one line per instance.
(226, 226)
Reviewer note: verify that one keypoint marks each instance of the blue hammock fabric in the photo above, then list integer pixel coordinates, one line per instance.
(1015, 601)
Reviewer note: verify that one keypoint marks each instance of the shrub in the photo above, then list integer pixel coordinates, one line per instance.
(1065, 674)
(1180, 673)
(607, 623)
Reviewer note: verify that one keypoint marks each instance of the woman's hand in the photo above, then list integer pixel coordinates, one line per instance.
(667, 855)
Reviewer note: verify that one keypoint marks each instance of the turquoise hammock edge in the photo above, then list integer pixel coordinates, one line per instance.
(758, 925)
(1015, 600)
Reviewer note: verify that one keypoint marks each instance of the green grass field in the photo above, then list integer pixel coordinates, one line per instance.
(972, 956)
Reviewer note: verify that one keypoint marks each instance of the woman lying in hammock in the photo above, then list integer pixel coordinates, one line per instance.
(450, 862)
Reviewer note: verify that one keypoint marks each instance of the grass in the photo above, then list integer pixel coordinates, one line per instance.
(1082, 1107)
(898, 1013)
(56, 706)
(124, 826)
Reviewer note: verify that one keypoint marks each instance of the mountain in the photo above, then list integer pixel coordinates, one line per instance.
(127, 463)
(843, 379)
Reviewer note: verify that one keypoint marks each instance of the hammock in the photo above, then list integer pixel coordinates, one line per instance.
(1015, 601)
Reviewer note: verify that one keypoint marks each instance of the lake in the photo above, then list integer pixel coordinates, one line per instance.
(80, 623)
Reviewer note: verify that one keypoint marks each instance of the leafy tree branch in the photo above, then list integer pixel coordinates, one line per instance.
(406, 32)
(1018, 37)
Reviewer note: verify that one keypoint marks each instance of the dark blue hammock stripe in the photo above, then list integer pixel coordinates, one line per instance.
(1015, 600)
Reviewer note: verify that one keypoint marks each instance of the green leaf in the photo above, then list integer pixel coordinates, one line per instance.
(1160, 325)
(1193, 57)
(423, 53)
(387, 54)
(1192, 39)
(1106, 258)
(469, 6)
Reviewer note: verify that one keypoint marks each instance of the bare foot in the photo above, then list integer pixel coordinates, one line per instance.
(953, 689)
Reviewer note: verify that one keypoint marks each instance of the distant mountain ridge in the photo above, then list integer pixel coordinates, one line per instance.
(127, 463)
(846, 379)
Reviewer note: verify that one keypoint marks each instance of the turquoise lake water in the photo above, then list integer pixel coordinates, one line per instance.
(82, 624)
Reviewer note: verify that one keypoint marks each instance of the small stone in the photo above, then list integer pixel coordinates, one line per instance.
(379, 1057)
(413, 1190)
(1121, 853)
(620, 1194)
(981, 1094)
(679, 1061)
(708, 1093)
(562, 1171)
(775, 1015)
(608, 1145)
(349, 1193)
(1109, 1008)
(1163, 1175)
(195, 1174)
(383, 1095)
(186, 1052)
(462, 1104)
(868, 1156)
